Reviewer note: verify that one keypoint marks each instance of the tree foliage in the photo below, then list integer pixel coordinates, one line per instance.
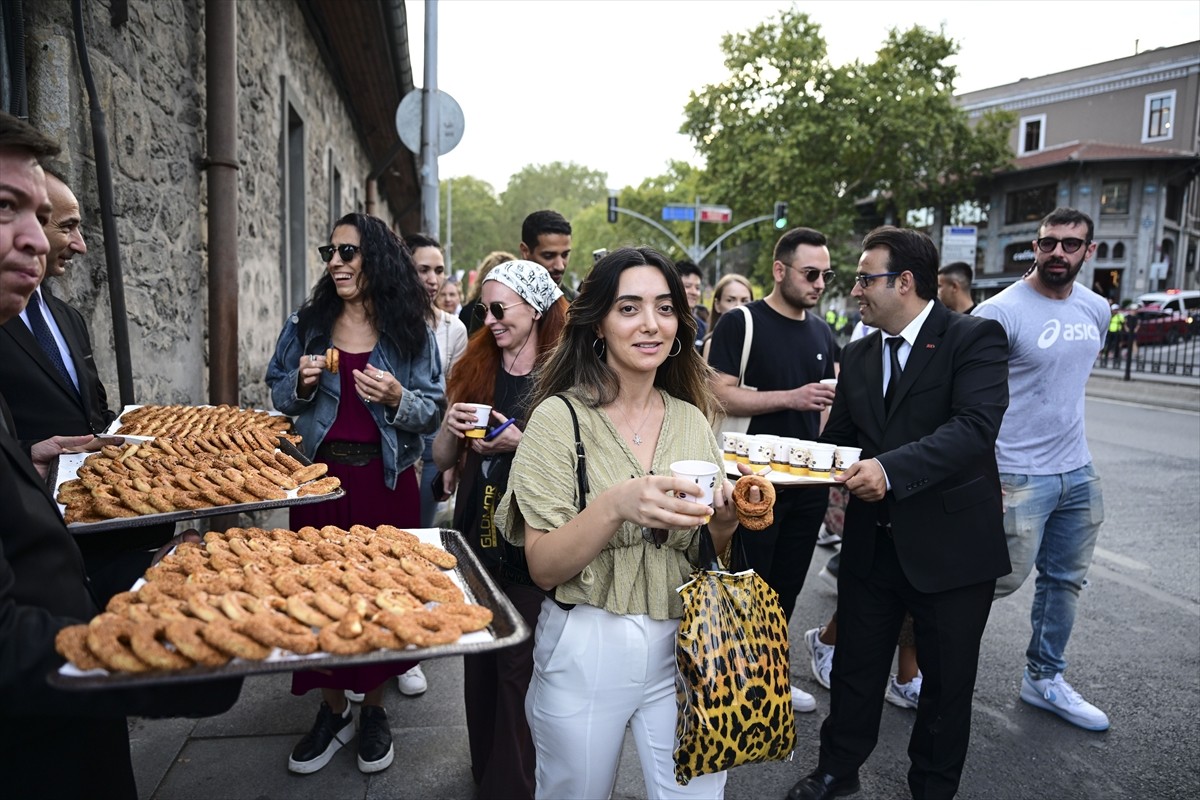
(475, 213)
(566, 188)
(788, 125)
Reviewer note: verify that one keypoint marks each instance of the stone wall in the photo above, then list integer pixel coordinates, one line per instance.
(150, 77)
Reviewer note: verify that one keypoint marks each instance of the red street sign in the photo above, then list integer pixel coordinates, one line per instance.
(715, 213)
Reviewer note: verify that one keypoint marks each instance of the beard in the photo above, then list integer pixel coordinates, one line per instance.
(796, 298)
(1058, 279)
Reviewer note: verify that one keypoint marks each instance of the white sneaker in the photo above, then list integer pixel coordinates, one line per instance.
(355, 697)
(820, 656)
(1056, 695)
(802, 701)
(828, 578)
(413, 683)
(827, 538)
(904, 695)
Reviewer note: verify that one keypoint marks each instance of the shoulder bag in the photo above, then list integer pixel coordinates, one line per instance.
(738, 424)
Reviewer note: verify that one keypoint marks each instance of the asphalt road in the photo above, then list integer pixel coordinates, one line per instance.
(1135, 651)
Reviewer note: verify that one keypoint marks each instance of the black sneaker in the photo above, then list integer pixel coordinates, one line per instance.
(375, 750)
(327, 736)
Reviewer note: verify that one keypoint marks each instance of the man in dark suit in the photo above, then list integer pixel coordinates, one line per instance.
(47, 352)
(923, 397)
(52, 743)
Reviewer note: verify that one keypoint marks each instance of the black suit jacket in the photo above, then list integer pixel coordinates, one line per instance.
(937, 446)
(42, 401)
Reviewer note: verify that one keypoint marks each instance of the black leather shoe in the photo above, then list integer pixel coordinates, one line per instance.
(821, 785)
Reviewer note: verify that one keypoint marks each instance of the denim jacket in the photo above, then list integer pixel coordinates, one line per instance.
(421, 405)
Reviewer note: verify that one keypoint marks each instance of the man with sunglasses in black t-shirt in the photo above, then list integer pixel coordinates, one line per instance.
(791, 351)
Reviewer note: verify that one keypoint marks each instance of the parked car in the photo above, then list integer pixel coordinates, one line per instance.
(1183, 302)
(1156, 326)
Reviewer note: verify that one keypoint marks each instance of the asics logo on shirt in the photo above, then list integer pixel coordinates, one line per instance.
(1070, 332)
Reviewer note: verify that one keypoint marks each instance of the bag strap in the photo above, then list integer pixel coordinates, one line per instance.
(580, 456)
(736, 554)
(745, 343)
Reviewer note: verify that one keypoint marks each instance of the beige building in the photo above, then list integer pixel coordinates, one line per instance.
(307, 92)
(1119, 140)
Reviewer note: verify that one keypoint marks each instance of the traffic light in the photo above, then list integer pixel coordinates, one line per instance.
(612, 209)
(781, 215)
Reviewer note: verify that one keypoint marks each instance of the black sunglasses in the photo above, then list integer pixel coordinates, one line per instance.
(812, 273)
(481, 310)
(346, 251)
(1047, 244)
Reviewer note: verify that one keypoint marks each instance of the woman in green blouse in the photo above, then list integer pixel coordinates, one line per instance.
(642, 399)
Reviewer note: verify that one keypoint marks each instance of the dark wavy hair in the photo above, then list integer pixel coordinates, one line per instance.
(395, 300)
(574, 364)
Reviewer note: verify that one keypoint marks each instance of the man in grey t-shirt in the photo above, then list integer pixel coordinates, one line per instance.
(1053, 504)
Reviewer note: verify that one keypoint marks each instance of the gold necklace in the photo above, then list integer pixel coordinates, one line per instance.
(637, 432)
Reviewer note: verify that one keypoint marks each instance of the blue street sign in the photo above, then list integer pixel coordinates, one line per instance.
(679, 213)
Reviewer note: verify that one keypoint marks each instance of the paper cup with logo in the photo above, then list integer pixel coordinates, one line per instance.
(843, 457)
(743, 448)
(781, 455)
(729, 445)
(830, 382)
(760, 452)
(821, 465)
(800, 458)
(704, 474)
(483, 417)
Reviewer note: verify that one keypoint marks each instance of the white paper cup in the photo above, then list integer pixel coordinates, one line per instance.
(829, 381)
(483, 417)
(729, 443)
(821, 465)
(760, 452)
(743, 449)
(704, 474)
(781, 457)
(843, 457)
(800, 457)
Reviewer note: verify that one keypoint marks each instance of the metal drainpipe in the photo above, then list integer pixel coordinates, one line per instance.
(220, 51)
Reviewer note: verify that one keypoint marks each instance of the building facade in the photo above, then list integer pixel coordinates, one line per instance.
(1119, 140)
(317, 85)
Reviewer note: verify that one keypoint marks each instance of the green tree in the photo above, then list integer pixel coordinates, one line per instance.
(788, 125)
(566, 188)
(476, 228)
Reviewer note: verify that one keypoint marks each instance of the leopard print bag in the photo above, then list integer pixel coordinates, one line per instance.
(731, 685)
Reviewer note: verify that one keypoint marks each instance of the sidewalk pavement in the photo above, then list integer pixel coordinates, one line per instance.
(1165, 391)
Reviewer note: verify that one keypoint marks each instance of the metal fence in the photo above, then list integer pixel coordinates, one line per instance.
(1179, 358)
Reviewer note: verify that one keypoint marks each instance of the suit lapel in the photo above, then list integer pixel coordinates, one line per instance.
(21, 334)
(929, 338)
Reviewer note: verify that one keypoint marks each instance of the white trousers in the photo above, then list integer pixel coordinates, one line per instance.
(594, 673)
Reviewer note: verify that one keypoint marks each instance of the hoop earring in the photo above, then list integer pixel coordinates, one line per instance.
(677, 350)
(599, 353)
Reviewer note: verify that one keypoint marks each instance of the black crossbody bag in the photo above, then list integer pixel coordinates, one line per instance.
(513, 566)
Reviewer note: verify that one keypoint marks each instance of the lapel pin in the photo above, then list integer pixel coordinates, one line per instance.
(930, 346)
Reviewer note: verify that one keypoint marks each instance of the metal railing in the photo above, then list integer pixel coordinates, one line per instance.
(1181, 358)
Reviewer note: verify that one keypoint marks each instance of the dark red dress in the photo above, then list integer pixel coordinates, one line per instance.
(368, 502)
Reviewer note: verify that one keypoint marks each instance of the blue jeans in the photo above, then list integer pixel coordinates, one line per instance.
(1051, 522)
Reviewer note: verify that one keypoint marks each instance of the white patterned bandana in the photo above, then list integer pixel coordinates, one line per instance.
(530, 280)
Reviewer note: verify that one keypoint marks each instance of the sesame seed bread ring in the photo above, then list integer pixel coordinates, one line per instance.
(108, 638)
(71, 644)
(185, 635)
(754, 516)
(147, 644)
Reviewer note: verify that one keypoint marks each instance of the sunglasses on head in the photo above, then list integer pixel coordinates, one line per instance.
(1047, 244)
(346, 251)
(497, 310)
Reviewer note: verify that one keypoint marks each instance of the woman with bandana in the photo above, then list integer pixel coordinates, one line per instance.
(522, 313)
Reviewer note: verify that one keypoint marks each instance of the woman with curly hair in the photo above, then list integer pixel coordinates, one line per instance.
(626, 365)
(365, 421)
(523, 314)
